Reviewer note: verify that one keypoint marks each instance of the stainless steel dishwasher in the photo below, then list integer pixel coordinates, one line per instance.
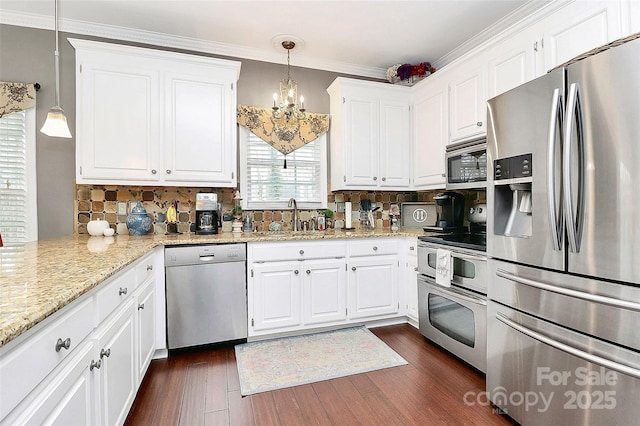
(206, 294)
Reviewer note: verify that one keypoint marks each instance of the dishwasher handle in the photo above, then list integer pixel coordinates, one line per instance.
(207, 258)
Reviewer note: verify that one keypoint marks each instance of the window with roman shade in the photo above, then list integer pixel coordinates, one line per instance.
(266, 184)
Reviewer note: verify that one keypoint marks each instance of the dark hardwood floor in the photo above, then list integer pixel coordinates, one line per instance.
(202, 388)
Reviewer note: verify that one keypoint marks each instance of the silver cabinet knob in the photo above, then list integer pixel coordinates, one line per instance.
(149, 267)
(384, 179)
(412, 248)
(141, 306)
(168, 171)
(444, 175)
(375, 248)
(415, 269)
(122, 291)
(104, 353)
(375, 178)
(95, 364)
(63, 344)
(296, 272)
(301, 251)
(154, 171)
(308, 272)
(479, 124)
(353, 268)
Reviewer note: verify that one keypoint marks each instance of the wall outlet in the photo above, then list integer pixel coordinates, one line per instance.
(122, 208)
(340, 207)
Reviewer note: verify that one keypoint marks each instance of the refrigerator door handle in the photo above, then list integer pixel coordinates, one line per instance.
(573, 221)
(555, 123)
(596, 298)
(594, 359)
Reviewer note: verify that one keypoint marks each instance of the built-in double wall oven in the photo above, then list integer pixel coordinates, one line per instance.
(454, 315)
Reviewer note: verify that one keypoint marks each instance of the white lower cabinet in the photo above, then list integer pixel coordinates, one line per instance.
(64, 399)
(411, 274)
(145, 327)
(276, 296)
(106, 340)
(323, 289)
(373, 286)
(116, 354)
(320, 285)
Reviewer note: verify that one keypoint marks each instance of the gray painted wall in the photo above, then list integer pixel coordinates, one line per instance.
(26, 55)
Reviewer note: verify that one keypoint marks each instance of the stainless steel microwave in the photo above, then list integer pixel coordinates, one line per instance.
(466, 164)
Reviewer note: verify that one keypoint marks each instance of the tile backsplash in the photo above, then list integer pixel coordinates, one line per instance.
(101, 202)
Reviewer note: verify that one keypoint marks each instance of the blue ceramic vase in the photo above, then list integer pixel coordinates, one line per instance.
(138, 221)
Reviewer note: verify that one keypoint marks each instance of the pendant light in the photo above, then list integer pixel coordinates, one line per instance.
(56, 123)
(285, 101)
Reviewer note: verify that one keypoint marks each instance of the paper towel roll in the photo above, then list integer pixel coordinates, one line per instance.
(347, 214)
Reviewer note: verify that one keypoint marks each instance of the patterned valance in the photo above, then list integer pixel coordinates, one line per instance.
(16, 97)
(282, 134)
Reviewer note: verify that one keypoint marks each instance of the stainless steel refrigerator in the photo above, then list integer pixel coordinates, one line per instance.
(563, 235)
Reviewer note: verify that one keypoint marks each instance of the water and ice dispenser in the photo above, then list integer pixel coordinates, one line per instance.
(513, 205)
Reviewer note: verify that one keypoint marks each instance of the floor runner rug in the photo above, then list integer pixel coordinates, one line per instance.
(291, 361)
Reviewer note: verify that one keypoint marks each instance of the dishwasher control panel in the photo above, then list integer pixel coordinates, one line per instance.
(209, 253)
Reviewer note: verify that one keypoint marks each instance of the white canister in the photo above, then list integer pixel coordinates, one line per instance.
(97, 227)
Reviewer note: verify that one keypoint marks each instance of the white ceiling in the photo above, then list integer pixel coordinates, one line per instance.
(357, 37)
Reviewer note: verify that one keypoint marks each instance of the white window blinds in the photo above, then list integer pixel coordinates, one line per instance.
(18, 219)
(266, 184)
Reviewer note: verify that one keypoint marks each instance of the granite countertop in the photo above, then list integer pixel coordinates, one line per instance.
(41, 277)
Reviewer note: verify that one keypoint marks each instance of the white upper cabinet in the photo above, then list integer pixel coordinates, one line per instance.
(511, 63)
(153, 117)
(370, 140)
(467, 100)
(430, 132)
(579, 27)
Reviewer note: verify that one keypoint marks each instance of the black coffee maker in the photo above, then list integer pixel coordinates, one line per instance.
(206, 213)
(450, 211)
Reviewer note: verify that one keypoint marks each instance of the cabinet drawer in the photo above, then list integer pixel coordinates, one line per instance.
(373, 246)
(32, 360)
(115, 292)
(270, 252)
(144, 269)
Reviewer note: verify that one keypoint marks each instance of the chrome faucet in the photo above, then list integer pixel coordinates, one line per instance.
(292, 203)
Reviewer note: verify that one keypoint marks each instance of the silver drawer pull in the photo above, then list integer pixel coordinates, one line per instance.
(296, 272)
(153, 172)
(353, 268)
(95, 364)
(375, 248)
(168, 171)
(104, 353)
(60, 344)
(141, 306)
(149, 267)
(479, 124)
(301, 251)
(412, 248)
(308, 272)
(122, 291)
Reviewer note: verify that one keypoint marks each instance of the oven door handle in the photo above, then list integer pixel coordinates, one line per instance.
(594, 359)
(625, 304)
(468, 256)
(454, 292)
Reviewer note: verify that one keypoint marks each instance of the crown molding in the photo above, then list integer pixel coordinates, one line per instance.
(525, 15)
(183, 43)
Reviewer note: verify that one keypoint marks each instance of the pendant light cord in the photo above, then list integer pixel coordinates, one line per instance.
(56, 56)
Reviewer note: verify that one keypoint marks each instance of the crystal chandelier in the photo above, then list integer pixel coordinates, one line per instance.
(285, 103)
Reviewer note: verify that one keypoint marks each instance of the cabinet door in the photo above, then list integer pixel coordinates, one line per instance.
(511, 63)
(362, 139)
(65, 397)
(200, 132)
(115, 347)
(324, 291)
(118, 131)
(394, 167)
(467, 99)
(145, 327)
(430, 135)
(412, 287)
(578, 28)
(373, 286)
(276, 295)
